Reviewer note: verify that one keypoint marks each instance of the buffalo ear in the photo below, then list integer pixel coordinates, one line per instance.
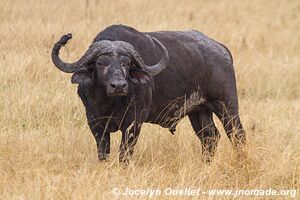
(139, 76)
(83, 77)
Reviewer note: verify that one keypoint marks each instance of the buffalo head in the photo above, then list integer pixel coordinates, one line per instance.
(111, 64)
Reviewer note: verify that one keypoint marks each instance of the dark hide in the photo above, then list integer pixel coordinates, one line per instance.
(198, 81)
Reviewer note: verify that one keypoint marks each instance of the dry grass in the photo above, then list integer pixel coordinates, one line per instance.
(47, 150)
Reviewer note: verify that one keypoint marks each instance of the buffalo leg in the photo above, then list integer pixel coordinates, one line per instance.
(102, 140)
(103, 146)
(206, 131)
(129, 140)
(102, 137)
(229, 116)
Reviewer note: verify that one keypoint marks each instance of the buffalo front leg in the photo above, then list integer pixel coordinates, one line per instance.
(102, 140)
(103, 146)
(129, 139)
(102, 137)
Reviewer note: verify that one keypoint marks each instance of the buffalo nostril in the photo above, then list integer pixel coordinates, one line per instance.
(124, 85)
(113, 85)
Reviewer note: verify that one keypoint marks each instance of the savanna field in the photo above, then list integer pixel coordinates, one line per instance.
(47, 150)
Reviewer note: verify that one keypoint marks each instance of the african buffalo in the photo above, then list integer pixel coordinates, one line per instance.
(127, 77)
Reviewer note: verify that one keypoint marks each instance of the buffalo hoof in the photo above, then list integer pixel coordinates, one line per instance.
(103, 158)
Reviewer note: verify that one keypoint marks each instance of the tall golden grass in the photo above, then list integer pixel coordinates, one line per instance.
(47, 150)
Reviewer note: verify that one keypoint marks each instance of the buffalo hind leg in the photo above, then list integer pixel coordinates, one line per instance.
(229, 116)
(204, 127)
(129, 139)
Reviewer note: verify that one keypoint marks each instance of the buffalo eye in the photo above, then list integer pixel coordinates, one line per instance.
(125, 61)
(124, 64)
(101, 63)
